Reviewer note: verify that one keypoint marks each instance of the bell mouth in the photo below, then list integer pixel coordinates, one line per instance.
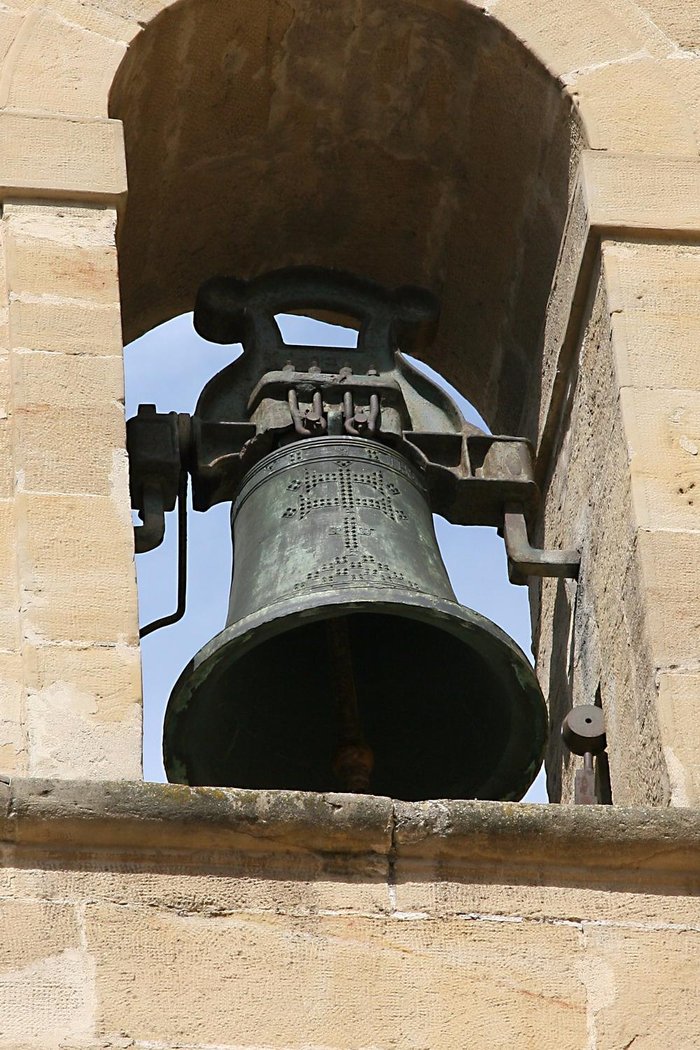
(446, 701)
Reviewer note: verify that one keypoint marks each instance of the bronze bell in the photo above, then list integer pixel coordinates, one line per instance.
(346, 662)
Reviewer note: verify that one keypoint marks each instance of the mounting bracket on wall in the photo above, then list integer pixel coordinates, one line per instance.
(583, 733)
(525, 560)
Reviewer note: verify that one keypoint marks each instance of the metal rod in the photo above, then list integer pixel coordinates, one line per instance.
(374, 413)
(166, 621)
(293, 402)
(349, 413)
(584, 783)
(314, 421)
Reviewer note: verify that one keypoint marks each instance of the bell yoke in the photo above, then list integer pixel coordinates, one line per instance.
(346, 662)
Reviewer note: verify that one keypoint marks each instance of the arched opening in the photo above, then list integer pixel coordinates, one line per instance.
(410, 143)
(406, 142)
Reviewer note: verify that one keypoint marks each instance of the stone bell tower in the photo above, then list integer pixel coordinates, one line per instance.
(535, 167)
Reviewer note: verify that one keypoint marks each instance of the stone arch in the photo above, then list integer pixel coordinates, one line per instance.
(410, 143)
(534, 67)
(59, 58)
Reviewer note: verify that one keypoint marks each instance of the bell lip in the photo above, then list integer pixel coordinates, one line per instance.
(266, 623)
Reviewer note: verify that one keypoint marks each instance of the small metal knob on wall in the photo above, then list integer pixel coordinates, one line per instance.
(583, 732)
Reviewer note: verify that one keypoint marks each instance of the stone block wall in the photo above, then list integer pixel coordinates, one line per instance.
(68, 612)
(158, 917)
(619, 436)
(614, 400)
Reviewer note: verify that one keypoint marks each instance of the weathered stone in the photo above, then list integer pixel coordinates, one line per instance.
(662, 964)
(58, 48)
(54, 158)
(9, 582)
(670, 566)
(614, 841)
(66, 595)
(636, 192)
(653, 280)
(633, 106)
(567, 45)
(211, 881)
(452, 887)
(205, 817)
(663, 434)
(509, 834)
(143, 905)
(44, 267)
(421, 980)
(46, 980)
(678, 697)
(83, 709)
(73, 328)
(678, 20)
(47, 459)
(13, 722)
(55, 380)
(684, 72)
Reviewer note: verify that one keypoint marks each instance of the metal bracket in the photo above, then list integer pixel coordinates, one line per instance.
(151, 511)
(155, 463)
(525, 560)
(179, 611)
(159, 446)
(583, 733)
(274, 394)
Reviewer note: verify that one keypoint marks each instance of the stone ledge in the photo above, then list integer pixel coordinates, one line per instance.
(133, 814)
(74, 814)
(607, 840)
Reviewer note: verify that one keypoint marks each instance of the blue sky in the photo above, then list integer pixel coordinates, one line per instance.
(168, 367)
